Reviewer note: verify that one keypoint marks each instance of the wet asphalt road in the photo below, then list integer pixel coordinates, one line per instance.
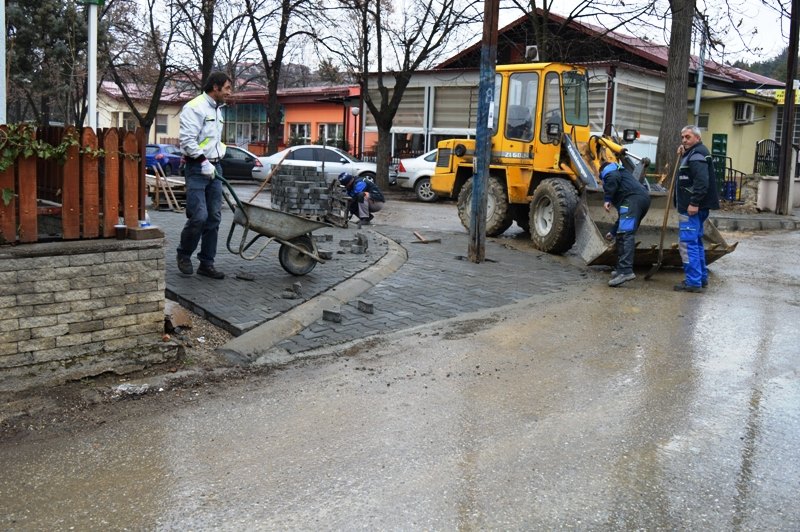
(590, 409)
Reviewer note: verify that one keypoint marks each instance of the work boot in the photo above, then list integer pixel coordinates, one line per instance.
(185, 265)
(683, 287)
(621, 278)
(365, 221)
(210, 271)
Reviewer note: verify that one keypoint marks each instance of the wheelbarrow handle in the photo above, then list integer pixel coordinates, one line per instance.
(237, 203)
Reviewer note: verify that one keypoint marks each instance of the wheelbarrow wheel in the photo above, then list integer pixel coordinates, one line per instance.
(295, 262)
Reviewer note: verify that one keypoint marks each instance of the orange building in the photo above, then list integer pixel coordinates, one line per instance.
(311, 115)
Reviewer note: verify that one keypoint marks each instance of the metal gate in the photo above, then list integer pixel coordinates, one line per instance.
(767, 157)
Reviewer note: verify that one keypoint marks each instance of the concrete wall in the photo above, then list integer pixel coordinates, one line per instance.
(768, 193)
(742, 138)
(69, 310)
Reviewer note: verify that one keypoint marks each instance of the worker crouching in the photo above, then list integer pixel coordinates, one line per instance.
(365, 197)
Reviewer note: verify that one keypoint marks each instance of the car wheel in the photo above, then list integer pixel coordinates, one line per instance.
(369, 176)
(422, 188)
(167, 170)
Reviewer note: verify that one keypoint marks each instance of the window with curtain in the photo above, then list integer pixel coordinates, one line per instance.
(455, 107)
(330, 133)
(409, 113)
(639, 109)
(300, 133)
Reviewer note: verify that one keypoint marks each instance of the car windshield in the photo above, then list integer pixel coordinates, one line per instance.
(150, 150)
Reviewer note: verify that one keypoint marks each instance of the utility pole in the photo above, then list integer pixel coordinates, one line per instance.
(483, 133)
(783, 205)
(91, 64)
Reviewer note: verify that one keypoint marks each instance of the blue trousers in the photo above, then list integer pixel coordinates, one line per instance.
(631, 212)
(203, 213)
(693, 254)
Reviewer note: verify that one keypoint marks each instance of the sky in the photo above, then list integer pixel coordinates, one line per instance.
(772, 33)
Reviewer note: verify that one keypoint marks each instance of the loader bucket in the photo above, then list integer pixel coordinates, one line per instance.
(592, 222)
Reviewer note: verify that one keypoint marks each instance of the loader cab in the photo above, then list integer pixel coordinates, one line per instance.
(537, 103)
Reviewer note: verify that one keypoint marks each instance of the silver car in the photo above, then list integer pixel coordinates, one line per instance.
(416, 174)
(332, 161)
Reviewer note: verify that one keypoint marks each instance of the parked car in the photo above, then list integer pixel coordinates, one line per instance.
(416, 174)
(239, 163)
(166, 155)
(334, 160)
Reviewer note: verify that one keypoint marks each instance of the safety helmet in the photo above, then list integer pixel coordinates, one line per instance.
(345, 178)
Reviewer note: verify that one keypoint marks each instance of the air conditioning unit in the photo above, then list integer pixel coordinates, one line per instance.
(531, 54)
(744, 113)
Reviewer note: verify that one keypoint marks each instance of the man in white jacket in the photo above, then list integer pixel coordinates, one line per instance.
(202, 147)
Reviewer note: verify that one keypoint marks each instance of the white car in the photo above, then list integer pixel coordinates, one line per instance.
(416, 173)
(334, 161)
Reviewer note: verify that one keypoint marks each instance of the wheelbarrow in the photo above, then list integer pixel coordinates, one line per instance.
(298, 253)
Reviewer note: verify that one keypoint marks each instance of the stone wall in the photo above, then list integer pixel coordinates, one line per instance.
(70, 310)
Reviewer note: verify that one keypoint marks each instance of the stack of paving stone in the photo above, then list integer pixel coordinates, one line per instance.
(304, 192)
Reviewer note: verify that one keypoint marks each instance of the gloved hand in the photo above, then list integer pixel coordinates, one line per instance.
(206, 168)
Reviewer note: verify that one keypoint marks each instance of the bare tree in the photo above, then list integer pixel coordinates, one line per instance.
(139, 61)
(235, 51)
(274, 25)
(384, 47)
(611, 15)
(204, 27)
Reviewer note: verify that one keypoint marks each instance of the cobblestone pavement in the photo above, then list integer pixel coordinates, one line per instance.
(238, 304)
(438, 282)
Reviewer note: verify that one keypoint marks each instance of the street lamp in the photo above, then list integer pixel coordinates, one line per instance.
(355, 110)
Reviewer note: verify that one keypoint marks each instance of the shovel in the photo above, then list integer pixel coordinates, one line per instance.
(657, 265)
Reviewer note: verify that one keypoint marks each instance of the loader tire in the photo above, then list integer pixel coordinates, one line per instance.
(552, 215)
(498, 213)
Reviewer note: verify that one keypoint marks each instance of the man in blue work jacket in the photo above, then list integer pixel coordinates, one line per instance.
(695, 194)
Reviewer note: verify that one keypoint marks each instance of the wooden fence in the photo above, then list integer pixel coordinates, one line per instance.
(101, 180)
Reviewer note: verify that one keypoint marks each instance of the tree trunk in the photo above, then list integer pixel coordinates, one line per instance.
(677, 83)
(383, 156)
(207, 39)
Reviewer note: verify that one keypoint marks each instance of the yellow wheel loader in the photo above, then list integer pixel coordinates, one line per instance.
(544, 166)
